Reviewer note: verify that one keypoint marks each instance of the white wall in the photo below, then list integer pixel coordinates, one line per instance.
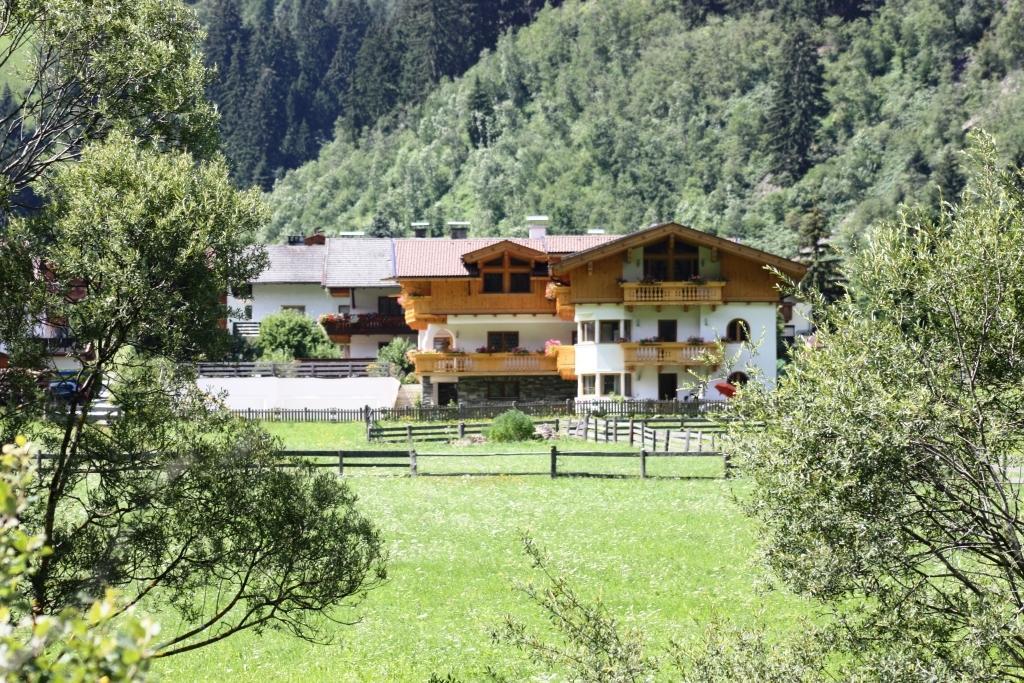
(269, 298)
(366, 298)
(760, 355)
(365, 345)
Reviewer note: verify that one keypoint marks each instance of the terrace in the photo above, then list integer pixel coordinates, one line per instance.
(672, 293)
(669, 353)
(469, 364)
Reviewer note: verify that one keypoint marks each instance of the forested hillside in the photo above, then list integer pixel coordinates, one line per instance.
(289, 70)
(764, 124)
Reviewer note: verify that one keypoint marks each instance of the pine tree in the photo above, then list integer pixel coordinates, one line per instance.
(481, 115)
(817, 254)
(797, 105)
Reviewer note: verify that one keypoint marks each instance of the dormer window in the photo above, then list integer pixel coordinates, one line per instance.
(506, 275)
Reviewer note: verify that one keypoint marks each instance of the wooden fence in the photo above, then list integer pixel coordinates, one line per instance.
(329, 369)
(488, 411)
(449, 431)
(409, 461)
(656, 433)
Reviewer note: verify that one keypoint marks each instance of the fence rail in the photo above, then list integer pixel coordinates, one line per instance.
(487, 411)
(349, 367)
(410, 460)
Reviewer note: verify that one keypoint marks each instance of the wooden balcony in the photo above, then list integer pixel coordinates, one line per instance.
(670, 354)
(340, 328)
(564, 308)
(497, 364)
(566, 361)
(672, 293)
(417, 312)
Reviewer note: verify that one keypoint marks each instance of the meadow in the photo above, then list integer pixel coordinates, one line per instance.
(668, 555)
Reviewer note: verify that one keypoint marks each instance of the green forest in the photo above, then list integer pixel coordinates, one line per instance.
(775, 123)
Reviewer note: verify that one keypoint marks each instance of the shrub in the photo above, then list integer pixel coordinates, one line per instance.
(393, 359)
(512, 425)
(290, 334)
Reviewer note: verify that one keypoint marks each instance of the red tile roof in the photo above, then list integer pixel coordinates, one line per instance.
(443, 257)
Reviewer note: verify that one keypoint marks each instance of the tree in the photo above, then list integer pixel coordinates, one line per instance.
(71, 645)
(289, 334)
(797, 104)
(884, 473)
(92, 70)
(393, 359)
(817, 253)
(481, 115)
(176, 502)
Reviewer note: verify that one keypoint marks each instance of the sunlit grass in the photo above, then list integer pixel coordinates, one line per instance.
(666, 554)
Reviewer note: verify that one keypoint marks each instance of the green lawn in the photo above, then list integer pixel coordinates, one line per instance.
(667, 554)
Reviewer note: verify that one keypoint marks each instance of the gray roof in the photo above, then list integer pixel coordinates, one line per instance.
(293, 264)
(358, 262)
(341, 262)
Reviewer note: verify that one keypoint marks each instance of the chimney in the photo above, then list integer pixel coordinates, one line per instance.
(537, 226)
(294, 240)
(317, 237)
(596, 231)
(458, 230)
(420, 229)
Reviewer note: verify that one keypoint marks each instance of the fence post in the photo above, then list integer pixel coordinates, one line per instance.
(687, 448)
(248, 412)
(341, 463)
(408, 433)
(643, 463)
(369, 422)
(605, 431)
(556, 427)
(462, 410)
(462, 429)
(668, 436)
(412, 462)
(631, 431)
(554, 462)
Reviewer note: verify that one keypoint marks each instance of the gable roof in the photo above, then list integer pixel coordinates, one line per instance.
(436, 258)
(641, 237)
(339, 262)
(358, 262)
(500, 247)
(293, 264)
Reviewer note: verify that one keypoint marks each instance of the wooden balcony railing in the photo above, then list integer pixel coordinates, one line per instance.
(671, 293)
(670, 353)
(417, 312)
(428, 363)
(560, 294)
(566, 361)
(367, 323)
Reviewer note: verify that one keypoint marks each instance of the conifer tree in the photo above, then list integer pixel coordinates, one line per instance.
(797, 105)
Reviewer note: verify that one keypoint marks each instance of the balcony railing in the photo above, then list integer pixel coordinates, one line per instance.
(428, 363)
(59, 346)
(566, 361)
(417, 312)
(560, 294)
(670, 353)
(368, 323)
(671, 293)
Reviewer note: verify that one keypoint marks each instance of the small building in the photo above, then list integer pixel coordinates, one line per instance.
(646, 315)
(345, 283)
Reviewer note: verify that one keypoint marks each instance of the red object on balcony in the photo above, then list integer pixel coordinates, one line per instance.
(726, 389)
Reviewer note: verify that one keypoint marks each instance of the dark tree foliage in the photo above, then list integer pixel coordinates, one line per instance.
(290, 70)
(797, 105)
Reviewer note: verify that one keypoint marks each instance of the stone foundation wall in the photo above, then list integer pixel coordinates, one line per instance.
(531, 388)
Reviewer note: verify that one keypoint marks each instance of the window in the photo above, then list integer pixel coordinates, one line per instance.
(506, 274)
(738, 378)
(387, 305)
(494, 283)
(588, 385)
(503, 391)
(671, 260)
(609, 331)
(344, 309)
(242, 291)
(247, 312)
(587, 331)
(442, 343)
(502, 341)
(296, 308)
(737, 331)
(629, 385)
(610, 385)
(519, 283)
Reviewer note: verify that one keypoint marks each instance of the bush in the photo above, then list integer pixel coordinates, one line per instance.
(393, 360)
(289, 334)
(512, 425)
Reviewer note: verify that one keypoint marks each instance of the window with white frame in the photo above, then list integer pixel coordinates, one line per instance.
(610, 384)
(588, 385)
(587, 331)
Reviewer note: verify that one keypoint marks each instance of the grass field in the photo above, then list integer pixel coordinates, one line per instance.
(666, 554)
